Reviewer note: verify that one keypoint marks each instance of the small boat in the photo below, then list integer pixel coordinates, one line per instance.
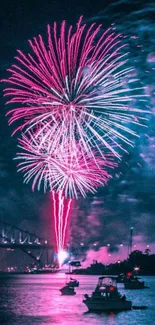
(106, 297)
(68, 291)
(73, 283)
(123, 277)
(134, 283)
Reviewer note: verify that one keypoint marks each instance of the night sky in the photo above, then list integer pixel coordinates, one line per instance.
(129, 199)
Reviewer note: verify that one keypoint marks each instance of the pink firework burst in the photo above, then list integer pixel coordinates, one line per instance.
(76, 80)
(66, 168)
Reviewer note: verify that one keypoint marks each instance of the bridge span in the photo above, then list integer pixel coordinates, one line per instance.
(12, 237)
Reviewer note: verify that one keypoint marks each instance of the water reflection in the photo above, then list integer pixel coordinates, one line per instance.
(37, 300)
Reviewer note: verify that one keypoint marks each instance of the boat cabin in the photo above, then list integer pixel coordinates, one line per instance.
(106, 288)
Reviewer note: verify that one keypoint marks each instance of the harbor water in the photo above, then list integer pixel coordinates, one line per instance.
(36, 299)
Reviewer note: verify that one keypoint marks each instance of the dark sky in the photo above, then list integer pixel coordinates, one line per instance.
(129, 199)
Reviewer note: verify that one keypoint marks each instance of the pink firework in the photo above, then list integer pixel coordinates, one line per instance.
(76, 80)
(64, 168)
(61, 211)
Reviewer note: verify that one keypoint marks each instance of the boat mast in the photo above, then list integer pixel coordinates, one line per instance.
(130, 242)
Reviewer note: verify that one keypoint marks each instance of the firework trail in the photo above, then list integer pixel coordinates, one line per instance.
(62, 208)
(76, 80)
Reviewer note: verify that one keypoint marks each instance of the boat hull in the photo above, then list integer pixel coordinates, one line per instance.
(107, 305)
(134, 286)
(67, 291)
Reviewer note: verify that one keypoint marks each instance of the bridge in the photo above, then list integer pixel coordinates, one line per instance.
(36, 247)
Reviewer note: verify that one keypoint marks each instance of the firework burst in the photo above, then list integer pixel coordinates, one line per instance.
(76, 80)
(64, 168)
(73, 97)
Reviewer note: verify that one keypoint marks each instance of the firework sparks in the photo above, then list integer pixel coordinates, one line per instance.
(62, 168)
(76, 80)
(62, 255)
(76, 98)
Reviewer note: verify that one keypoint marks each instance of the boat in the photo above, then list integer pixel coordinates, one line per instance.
(123, 277)
(68, 291)
(106, 297)
(73, 283)
(134, 283)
